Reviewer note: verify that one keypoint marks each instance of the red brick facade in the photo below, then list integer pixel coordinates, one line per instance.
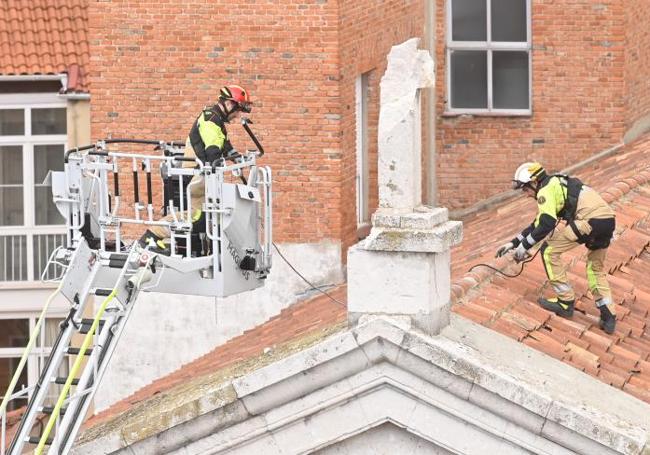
(578, 103)
(368, 29)
(637, 61)
(155, 64)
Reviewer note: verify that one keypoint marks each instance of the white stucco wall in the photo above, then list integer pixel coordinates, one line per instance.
(166, 331)
(386, 439)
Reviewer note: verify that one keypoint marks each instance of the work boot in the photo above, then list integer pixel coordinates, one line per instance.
(563, 308)
(151, 242)
(607, 319)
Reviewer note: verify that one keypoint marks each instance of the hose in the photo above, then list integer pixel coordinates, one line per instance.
(523, 264)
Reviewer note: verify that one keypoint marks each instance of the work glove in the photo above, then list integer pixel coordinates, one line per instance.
(503, 249)
(521, 253)
(232, 155)
(212, 154)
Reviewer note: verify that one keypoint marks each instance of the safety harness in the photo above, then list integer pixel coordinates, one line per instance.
(573, 186)
(212, 114)
(601, 229)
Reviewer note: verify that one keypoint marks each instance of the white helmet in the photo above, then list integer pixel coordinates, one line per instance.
(527, 173)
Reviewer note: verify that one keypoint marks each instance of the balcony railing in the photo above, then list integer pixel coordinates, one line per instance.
(23, 257)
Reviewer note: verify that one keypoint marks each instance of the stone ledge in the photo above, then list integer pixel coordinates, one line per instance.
(468, 371)
(437, 240)
(421, 218)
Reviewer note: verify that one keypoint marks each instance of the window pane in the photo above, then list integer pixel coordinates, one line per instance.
(13, 258)
(14, 333)
(510, 80)
(12, 122)
(509, 20)
(469, 79)
(46, 158)
(11, 164)
(46, 212)
(52, 329)
(11, 190)
(469, 20)
(7, 369)
(11, 206)
(49, 121)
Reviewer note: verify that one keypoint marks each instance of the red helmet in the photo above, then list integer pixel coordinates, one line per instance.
(238, 95)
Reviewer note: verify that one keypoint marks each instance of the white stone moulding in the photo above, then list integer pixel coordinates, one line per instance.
(468, 390)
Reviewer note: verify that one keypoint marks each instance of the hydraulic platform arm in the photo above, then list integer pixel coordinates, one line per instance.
(219, 219)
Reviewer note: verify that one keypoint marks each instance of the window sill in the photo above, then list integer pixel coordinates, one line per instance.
(448, 114)
(25, 285)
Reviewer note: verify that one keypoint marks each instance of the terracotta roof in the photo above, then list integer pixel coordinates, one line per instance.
(509, 305)
(45, 37)
(297, 321)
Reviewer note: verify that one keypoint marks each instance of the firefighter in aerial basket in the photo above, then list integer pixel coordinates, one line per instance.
(589, 221)
(208, 141)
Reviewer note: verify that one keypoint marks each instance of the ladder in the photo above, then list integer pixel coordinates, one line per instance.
(129, 272)
(234, 196)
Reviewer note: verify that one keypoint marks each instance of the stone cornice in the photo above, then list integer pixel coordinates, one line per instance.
(470, 375)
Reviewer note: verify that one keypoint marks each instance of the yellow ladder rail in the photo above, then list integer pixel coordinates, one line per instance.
(73, 373)
(28, 349)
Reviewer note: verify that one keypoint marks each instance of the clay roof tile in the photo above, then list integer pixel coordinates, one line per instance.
(578, 341)
(44, 37)
(509, 305)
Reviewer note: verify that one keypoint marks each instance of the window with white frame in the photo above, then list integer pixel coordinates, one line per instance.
(15, 331)
(489, 57)
(33, 137)
(362, 175)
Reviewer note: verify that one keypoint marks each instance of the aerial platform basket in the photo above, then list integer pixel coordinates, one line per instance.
(224, 251)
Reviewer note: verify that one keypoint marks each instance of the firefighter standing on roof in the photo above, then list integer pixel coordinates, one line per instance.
(589, 221)
(207, 141)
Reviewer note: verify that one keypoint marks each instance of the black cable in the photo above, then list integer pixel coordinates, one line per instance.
(523, 264)
(305, 279)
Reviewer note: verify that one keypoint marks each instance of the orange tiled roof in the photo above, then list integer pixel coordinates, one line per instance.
(509, 305)
(293, 322)
(45, 37)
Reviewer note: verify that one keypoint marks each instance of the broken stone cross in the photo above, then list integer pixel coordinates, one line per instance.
(402, 268)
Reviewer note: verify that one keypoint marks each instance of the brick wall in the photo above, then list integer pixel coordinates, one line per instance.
(368, 29)
(155, 64)
(637, 61)
(578, 102)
